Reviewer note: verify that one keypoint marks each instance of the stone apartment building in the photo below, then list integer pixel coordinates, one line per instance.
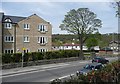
(31, 34)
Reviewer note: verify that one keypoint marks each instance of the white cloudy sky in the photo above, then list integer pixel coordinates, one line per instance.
(54, 12)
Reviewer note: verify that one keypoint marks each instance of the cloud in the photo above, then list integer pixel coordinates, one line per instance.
(48, 9)
(1, 10)
(54, 11)
(58, 1)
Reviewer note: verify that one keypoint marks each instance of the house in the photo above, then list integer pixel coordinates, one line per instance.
(72, 46)
(29, 34)
(114, 45)
(68, 46)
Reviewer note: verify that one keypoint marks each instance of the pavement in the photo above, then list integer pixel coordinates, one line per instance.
(29, 69)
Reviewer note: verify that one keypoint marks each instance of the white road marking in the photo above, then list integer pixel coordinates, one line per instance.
(85, 62)
(55, 66)
(22, 73)
(52, 80)
(63, 77)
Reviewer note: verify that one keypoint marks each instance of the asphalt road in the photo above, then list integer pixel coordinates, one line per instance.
(48, 74)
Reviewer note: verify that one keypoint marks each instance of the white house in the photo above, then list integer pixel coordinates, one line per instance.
(114, 45)
(69, 47)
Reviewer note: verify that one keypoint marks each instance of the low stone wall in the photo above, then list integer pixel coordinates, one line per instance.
(39, 62)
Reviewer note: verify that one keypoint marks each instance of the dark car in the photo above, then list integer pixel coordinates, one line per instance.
(89, 67)
(100, 60)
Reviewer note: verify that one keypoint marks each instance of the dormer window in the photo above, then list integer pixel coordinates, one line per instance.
(8, 20)
(8, 24)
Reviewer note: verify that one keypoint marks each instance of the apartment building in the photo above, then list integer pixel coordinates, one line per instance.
(32, 34)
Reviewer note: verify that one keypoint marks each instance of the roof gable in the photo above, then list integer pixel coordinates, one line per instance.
(35, 15)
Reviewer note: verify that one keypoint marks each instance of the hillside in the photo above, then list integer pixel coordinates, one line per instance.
(103, 39)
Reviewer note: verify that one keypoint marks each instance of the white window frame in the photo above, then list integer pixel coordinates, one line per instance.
(26, 39)
(8, 38)
(8, 25)
(42, 28)
(42, 50)
(26, 26)
(11, 51)
(44, 39)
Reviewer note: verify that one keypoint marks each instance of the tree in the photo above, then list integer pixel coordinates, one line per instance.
(81, 22)
(116, 5)
(91, 42)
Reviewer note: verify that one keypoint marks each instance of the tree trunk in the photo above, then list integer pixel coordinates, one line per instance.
(81, 55)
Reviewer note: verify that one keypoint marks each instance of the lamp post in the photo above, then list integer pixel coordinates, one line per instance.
(23, 53)
(22, 58)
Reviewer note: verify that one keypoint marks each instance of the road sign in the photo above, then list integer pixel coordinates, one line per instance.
(23, 48)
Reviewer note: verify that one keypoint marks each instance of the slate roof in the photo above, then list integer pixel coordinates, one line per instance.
(15, 19)
(118, 42)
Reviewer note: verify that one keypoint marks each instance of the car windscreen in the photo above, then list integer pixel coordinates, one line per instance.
(89, 67)
(100, 58)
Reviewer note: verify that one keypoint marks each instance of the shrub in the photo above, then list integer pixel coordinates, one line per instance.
(52, 55)
(34, 56)
(6, 58)
(26, 57)
(69, 53)
(17, 57)
(37, 56)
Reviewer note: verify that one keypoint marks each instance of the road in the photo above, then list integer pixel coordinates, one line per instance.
(48, 73)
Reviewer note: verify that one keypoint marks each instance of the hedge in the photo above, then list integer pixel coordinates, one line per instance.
(6, 58)
(34, 56)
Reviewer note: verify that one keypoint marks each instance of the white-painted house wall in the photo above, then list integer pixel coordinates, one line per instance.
(68, 48)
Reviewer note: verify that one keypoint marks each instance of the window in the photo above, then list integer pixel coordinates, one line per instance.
(8, 51)
(26, 39)
(9, 39)
(27, 50)
(42, 28)
(26, 26)
(8, 25)
(42, 50)
(8, 20)
(42, 40)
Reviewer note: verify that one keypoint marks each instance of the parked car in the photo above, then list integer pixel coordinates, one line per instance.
(89, 67)
(100, 60)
